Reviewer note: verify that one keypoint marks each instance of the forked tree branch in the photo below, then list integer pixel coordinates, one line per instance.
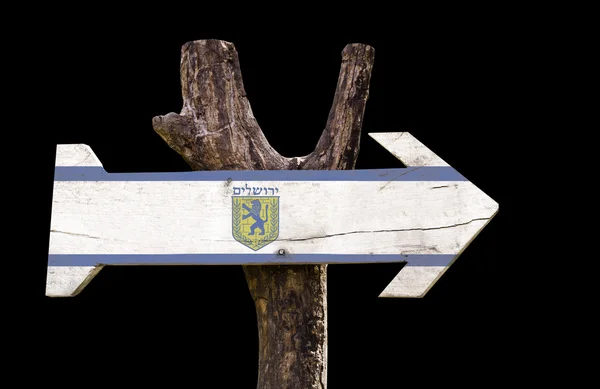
(216, 130)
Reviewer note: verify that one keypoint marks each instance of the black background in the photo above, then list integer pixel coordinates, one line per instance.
(452, 85)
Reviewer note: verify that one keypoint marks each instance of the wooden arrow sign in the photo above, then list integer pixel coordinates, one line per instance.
(424, 215)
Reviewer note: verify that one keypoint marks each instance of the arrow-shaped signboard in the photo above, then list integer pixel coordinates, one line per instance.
(424, 215)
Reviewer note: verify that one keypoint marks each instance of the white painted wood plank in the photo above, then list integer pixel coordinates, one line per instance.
(76, 155)
(407, 149)
(420, 220)
(414, 281)
(315, 217)
(69, 280)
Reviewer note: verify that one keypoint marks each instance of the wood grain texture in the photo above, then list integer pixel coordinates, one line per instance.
(195, 217)
(408, 149)
(186, 218)
(216, 130)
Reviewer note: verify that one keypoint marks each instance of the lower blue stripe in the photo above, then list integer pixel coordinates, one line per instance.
(244, 259)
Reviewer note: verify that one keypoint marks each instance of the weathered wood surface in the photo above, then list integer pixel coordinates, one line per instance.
(186, 218)
(352, 217)
(216, 130)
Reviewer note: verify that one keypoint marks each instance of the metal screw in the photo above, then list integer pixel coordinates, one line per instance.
(281, 252)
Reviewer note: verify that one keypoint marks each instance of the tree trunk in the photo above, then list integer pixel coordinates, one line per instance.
(216, 130)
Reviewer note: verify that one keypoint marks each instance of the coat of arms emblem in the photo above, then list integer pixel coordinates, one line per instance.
(255, 221)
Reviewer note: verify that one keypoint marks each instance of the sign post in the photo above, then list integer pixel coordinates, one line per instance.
(284, 219)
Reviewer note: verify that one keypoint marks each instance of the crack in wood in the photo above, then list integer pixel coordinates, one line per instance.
(395, 178)
(75, 234)
(88, 236)
(85, 159)
(388, 230)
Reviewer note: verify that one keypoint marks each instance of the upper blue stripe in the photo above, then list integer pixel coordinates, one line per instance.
(424, 173)
(244, 259)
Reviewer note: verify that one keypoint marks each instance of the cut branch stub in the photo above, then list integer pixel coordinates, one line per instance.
(216, 130)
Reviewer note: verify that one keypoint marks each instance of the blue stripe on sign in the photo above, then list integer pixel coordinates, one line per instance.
(244, 259)
(423, 173)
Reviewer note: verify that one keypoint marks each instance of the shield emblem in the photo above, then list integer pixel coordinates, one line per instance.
(255, 221)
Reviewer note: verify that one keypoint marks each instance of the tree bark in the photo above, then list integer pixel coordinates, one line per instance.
(216, 130)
